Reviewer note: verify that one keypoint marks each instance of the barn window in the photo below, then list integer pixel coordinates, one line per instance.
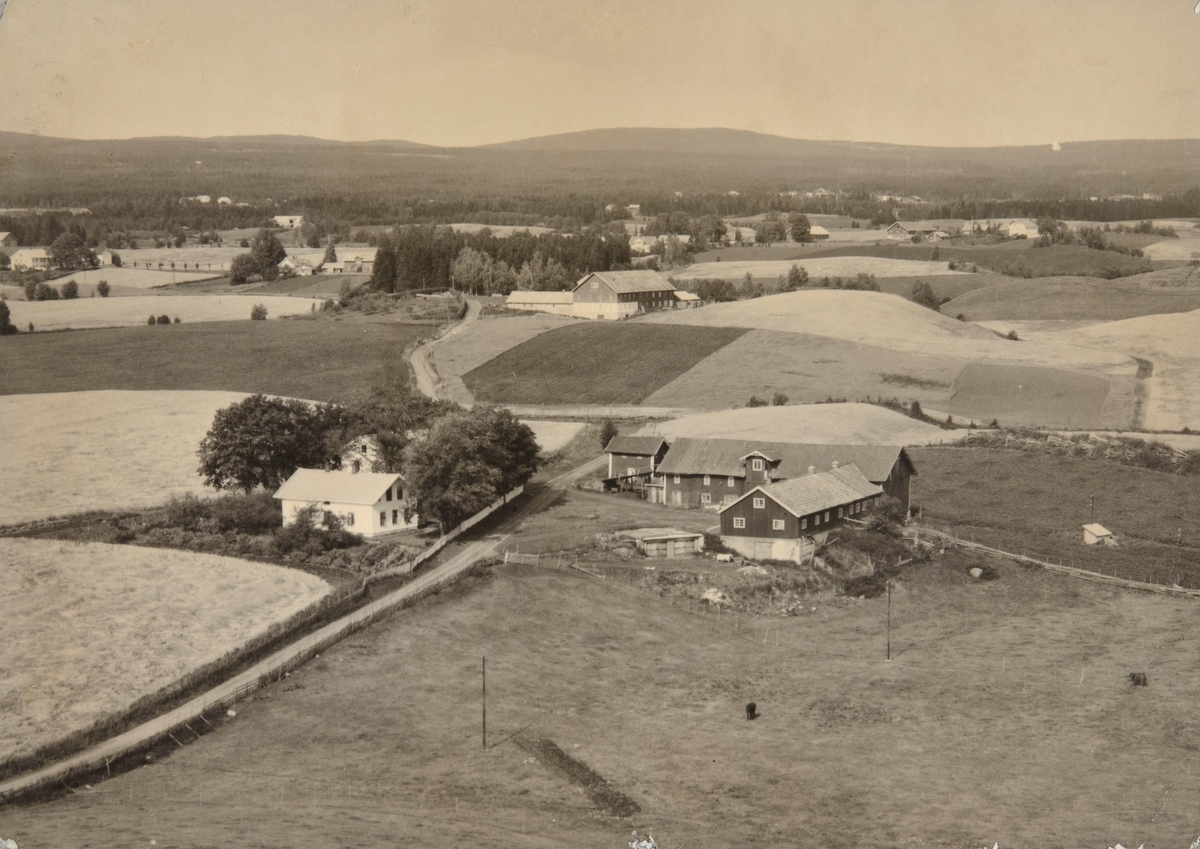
(816, 520)
(729, 482)
(757, 465)
(395, 517)
(677, 479)
(382, 517)
(729, 499)
(760, 503)
(739, 522)
(707, 480)
(705, 498)
(803, 524)
(595, 285)
(826, 515)
(839, 512)
(777, 524)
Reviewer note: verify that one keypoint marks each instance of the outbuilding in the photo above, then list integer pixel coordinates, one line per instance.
(666, 542)
(1094, 534)
(367, 503)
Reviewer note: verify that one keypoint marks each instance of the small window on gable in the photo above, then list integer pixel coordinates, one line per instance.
(707, 480)
(777, 524)
(595, 285)
(756, 464)
(760, 503)
(389, 494)
(739, 522)
(729, 482)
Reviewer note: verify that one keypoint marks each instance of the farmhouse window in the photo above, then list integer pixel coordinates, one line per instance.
(777, 524)
(395, 517)
(729, 499)
(826, 515)
(739, 522)
(839, 512)
(705, 498)
(707, 480)
(677, 479)
(760, 503)
(349, 519)
(389, 494)
(382, 518)
(803, 524)
(757, 465)
(729, 482)
(816, 520)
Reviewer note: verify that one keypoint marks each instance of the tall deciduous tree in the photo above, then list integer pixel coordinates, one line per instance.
(241, 268)
(70, 252)
(267, 252)
(6, 326)
(923, 294)
(801, 227)
(467, 461)
(261, 441)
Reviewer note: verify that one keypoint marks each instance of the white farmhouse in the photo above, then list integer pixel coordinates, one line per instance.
(30, 259)
(368, 503)
(289, 222)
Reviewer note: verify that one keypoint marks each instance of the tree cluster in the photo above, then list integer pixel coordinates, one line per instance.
(266, 252)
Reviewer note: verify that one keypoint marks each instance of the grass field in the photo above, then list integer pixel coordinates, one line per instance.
(1005, 715)
(126, 312)
(335, 359)
(1021, 395)
(129, 280)
(808, 369)
(817, 267)
(88, 629)
(553, 436)
(832, 424)
(1036, 504)
(594, 363)
(71, 452)
(1071, 298)
(1182, 249)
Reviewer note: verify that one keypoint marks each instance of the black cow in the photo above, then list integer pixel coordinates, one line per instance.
(1138, 679)
(751, 710)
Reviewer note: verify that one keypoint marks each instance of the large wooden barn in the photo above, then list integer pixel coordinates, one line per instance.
(620, 294)
(789, 519)
(710, 473)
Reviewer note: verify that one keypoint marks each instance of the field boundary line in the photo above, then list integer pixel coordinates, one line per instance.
(1073, 571)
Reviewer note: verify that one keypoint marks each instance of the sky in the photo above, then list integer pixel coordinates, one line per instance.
(462, 73)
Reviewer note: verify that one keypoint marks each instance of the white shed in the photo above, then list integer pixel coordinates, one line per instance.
(368, 503)
(1094, 534)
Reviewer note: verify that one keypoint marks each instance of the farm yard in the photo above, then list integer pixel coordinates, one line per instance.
(71, 452)
(832, 424)
(330, 359)
(594, 363)
(126, 312)
(1006, 715)
(88, 629)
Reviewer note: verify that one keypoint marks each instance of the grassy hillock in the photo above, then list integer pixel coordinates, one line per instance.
(1071, 298)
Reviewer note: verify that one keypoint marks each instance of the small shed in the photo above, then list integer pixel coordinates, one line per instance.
(666, 542)
(1094, 534)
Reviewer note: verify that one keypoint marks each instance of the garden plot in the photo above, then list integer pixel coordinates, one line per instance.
(88, 629)
(109, 450)
(125, 312)
(828, 424)
(817, 267)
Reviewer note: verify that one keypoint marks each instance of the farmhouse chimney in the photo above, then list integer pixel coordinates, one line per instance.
(835, 464)
(812, 470)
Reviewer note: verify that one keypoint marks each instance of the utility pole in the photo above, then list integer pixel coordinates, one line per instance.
(1092, 502)
(483, 670)
(889, 622)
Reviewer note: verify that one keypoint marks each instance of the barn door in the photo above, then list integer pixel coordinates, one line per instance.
(762, 550)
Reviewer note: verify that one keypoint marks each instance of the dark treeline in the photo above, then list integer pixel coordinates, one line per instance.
(427, 257)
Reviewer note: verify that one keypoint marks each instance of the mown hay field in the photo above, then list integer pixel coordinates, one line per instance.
(125, 312)
(71, 452)
(1005, 716)
(831, 424)
(88, 629)
(817, 267)
(328, 359)
(1036, 504)
(1021, 395)
(1070, 298)
(594, 363)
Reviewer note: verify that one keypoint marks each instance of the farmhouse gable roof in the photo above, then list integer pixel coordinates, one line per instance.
(809, 494)
(625, 282)
(339, 487)
(726, 457)
(640, 446)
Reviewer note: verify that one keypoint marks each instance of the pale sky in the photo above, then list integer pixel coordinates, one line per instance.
(456, 72)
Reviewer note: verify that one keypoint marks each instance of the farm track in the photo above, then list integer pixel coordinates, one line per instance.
(427, 377)
(293, 655)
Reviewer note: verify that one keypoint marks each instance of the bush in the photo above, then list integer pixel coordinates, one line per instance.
(314, 531)
(70, 290)
(178, 320)
(780, 400)
(164, 319)
(102, 288)
(186, 512)
(1012, 335)
(607, 431)
(755, 401)
(7, 328)
(255, 513)
(258, 312)
(151, 320)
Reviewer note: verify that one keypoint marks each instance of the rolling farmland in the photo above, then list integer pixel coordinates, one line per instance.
(128, 312)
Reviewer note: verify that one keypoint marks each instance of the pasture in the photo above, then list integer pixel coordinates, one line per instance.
(1021, 395)
(71, 452)
(594, 363)
(1005, 715)
(88, 629)
(1036, 503)
(553, 436)
(830, 424)
(1072, 298)
(336, 359)
(807, 369)
(1183, 249)
(128, 281)
(817, 267)
(127, 312)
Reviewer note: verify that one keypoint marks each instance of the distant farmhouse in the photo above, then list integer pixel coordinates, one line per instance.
(608, 295)
(711, 473)
(296, 265)
(7, 240)
(789, 519)
(367, 503)
(645, 244)
(30, 259)
(289, 222)
(105, 257)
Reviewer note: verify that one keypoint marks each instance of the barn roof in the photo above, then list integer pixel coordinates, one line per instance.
(645, 446)
(624, 282)
(817, 230)
(540, 298)
(819, 491)
(341, 487)
(683, 295)
(724, 457)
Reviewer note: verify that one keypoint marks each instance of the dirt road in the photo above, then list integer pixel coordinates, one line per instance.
(428, 380)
